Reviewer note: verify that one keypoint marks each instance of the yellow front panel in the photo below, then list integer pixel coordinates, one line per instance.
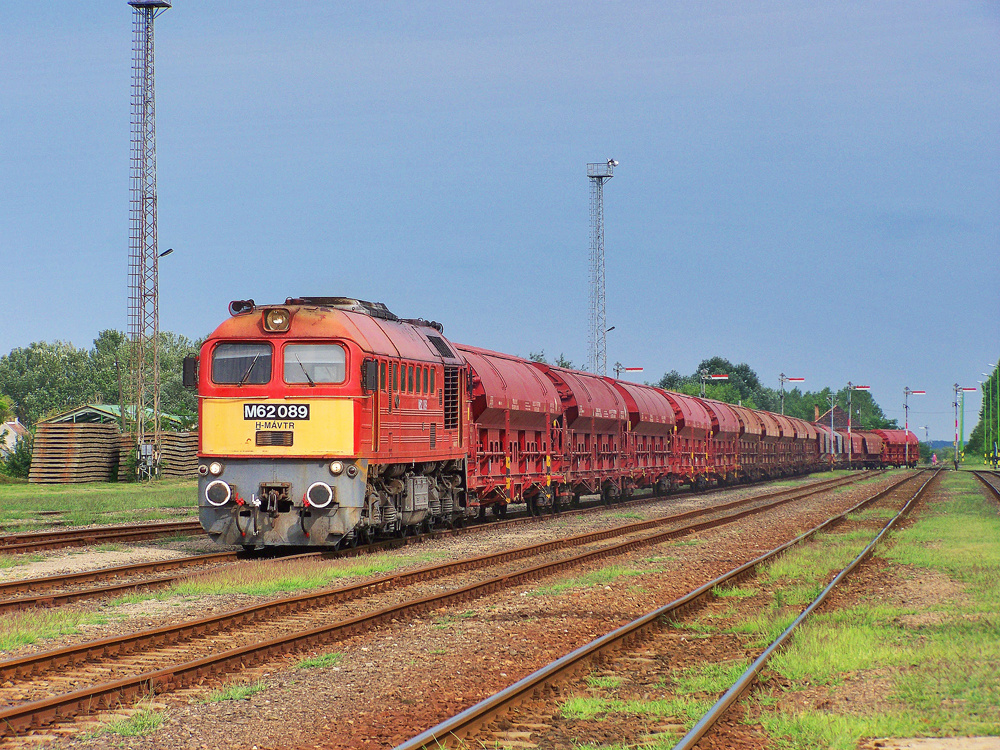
(328, 431)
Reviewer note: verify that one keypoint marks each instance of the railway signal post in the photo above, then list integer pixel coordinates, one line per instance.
(782, 379)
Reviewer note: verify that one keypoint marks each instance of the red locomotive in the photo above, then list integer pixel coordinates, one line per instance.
(328, 420)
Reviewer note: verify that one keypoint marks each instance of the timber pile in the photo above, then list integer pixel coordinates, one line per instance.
(179, 455)
(74, 452)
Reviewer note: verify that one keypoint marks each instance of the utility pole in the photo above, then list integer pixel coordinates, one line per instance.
(142, 413)
(906, 420)
(598, 174)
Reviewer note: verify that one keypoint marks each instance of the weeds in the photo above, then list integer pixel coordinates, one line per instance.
(236, 692)
(323, 661)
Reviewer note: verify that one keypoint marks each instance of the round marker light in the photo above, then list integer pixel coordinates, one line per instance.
(352, 471)
(336, 468)
(203, 470)
(215, 468)
(276, 320)
(218, 493)
(320, 494)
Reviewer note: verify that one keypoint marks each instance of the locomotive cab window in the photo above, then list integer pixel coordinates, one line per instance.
(315, 363)
(241, 364)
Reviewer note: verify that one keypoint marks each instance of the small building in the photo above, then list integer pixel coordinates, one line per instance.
(839, 418)
(10, 433)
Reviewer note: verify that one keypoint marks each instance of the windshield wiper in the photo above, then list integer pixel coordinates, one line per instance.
(304, 371)
(247, 373)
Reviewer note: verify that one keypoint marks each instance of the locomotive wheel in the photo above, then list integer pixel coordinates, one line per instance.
(369, 534)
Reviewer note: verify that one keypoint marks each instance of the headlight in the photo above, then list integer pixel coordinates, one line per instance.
(352, 471)
(320, 494)
(218, 493)
(215, 468)
(336, 467)
(202, 470)
(276, 320)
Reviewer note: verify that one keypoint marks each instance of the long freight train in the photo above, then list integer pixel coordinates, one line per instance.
(328, 421)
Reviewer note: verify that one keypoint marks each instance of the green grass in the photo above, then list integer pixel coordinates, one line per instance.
(626, 515)
(940, 660)
(13, 561)
(601, 577)
(236, 692)
(142, 722)
(683, 710)
(807, 730)
(323, 661)
(96, 503)
(738, 592)
(607, 681)
(26, 627)
(269, 577)
(709, 678)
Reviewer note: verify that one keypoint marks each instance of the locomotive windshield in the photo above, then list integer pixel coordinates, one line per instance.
(241, 363)
(315, 363)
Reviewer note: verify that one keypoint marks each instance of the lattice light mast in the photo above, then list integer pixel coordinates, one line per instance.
(141, 415)
(597, 344)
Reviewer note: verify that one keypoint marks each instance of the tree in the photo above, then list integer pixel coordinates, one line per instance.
(44, 378)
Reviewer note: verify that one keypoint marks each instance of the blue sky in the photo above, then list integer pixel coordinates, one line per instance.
(809, 187)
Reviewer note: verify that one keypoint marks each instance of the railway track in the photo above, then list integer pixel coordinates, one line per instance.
(526, 711)
(992, 482)
(37, 541)
(63, 589)
(45, 687)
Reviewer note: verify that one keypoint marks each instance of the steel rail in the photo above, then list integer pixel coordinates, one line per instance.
(43, 540)
(38, 713)
(462, 725)
(750, 675)
(981, 476)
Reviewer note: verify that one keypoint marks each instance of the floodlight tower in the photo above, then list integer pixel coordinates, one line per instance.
(143, 305)
(597, 345)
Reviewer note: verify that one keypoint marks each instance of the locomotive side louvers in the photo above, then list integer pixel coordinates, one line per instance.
(450, 398)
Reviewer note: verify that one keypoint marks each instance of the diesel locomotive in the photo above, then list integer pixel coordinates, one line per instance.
(330, 420)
